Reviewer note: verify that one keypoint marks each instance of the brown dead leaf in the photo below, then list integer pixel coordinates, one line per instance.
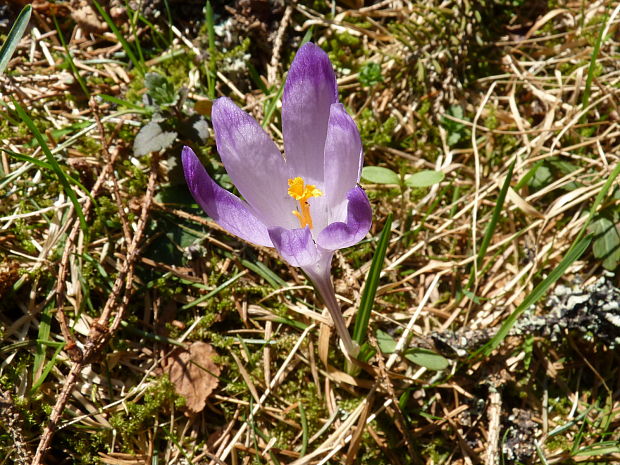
(9, 274)
(193, 373)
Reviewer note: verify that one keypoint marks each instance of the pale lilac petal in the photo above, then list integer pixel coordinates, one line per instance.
(226, 209)
(295, 245)
(343, 160)
(339, 235)
(309, 91)
(254, 163)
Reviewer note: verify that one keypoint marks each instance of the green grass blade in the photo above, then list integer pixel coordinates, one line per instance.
(304, 430)
(26, 158)
(215, 291)
(271, 106)
(134, 32)
(264, 272)
(488, 234)
(169, 19)
(529, 175)
(211, 37)
(599, 200)
(74, 69)
(45, 323)
(258, 82)
(62, 177)
(372, 282)
(126, 46)
(15, 35)
(307, 36)
(46, 370)
(44, 165)
(124, 103)
(585, 98)
(571, 256)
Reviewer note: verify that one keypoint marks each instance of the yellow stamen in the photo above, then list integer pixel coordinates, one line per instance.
(302, 192)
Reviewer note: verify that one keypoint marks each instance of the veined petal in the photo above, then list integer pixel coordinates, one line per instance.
(343, 160)
(226, 209)
(253, 162)
(295, 245)
(309, 91)
(340, 234)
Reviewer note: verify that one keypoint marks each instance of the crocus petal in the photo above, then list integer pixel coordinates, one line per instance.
(253, 163)
(226, 209)
(343, 160)
(309, 91)
(295, 245)
(340, 234)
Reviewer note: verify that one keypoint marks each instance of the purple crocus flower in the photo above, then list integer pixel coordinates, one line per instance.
(307, 204)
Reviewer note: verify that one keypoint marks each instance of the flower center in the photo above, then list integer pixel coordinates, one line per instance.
(302, 192)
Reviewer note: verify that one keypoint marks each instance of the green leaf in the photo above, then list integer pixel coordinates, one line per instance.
(422, 357)
(427, 359)
(456, 131)
(152, 138)
(606, 244)
(542, 177)
(457, 112)
(372, 282)
(454, 138)
(159, 89)
(15, 35)
(424, 178)
(386, 343)
(380, 175)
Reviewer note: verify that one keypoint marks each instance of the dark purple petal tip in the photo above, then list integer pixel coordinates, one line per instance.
(226, 209)
(311, 66)
(339, 235)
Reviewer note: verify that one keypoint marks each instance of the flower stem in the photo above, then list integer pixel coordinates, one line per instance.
(323, 284)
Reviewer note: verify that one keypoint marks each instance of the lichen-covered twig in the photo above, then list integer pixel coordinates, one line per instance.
(100, 333)
(594, 311)
(13, 422)
(71, 347)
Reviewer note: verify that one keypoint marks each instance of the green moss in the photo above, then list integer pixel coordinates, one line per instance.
(176, 70)
(360, 254)
(437, 450)
(86, 445)
(137, 179)
(88, 146)
(398, 299)
(106, 216)
(300, 387)
(374, 131)
(344, 51)
(140, 415)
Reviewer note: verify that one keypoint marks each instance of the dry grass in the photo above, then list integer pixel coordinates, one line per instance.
(90, 316)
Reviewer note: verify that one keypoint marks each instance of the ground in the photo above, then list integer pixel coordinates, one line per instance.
(485, 297)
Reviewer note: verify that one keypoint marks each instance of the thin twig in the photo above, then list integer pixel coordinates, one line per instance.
(99, 333)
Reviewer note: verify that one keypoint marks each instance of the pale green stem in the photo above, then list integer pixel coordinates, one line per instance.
(323, 284)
